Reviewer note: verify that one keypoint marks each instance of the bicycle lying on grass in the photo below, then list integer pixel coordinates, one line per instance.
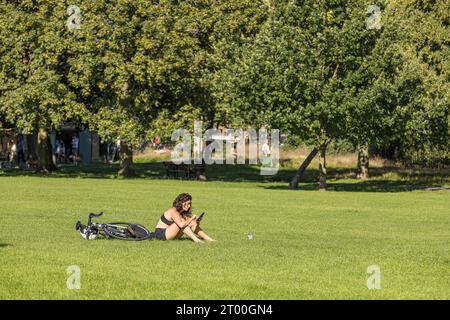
(118, 230)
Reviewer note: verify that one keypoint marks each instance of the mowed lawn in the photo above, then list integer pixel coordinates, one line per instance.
(306, 244)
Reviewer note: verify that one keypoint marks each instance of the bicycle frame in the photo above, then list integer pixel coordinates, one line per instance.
(119, 230)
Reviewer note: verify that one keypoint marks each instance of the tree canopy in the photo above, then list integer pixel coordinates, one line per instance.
(315, 69)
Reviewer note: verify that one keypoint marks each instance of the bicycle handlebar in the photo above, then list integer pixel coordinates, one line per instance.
(93, 215)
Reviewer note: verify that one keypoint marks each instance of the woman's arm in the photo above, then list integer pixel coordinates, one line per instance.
(180, 221)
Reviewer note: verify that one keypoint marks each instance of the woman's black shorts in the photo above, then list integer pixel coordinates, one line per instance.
(160, 233)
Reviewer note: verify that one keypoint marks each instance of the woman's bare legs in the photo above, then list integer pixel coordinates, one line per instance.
(199, 231)
(174, 232)
(188, 231)
(202, 234)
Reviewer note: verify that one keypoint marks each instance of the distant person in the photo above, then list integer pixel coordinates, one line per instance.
(266, 152)
(142, 147)
(68, 148)
(12, 151)
(265, 148)
(31, 162)
(20, 150)
(57, 149)
(60, 150)
(104, 151)
(156, 143)
(2, 154)
(233, 142)
(75, 144)
(111, 151)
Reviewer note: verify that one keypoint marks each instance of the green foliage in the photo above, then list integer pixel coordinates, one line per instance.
(150, 62)
(33, 88)
(165, 124)
(412, 62)
(131, 60)
(215, 28)
(301, 71)
(309, 68)
(341, 146)
(316, 71)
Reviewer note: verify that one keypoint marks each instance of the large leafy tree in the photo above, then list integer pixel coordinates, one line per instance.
(217, 30)
(412, 83)
(127, 61)
(34, 93)
(301, 71)
(144, 63)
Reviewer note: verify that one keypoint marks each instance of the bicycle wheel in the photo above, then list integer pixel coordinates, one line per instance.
(126, 231)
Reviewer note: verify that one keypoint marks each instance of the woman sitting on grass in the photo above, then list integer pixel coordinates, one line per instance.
(179, 220)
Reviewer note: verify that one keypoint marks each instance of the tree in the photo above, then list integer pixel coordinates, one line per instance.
(300, 71)
(105, 61)
(117, 66)
(139, 63)
(216, 29)
(412, 61)
(34, 93)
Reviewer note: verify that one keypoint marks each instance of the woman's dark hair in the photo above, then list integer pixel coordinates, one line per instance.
(180, 199)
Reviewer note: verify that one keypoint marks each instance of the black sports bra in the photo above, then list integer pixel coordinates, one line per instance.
(164, 219)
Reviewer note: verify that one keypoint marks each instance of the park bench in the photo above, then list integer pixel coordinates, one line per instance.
(177, 170)
(183, 170)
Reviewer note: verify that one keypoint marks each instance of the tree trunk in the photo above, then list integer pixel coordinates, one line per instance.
(44, 152)
(126, 160)
(294, 183)
(322, 168)
(363, 163)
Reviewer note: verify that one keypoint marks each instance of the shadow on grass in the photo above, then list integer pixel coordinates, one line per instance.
(364, 186)
(386, 179)
(147, 170)
(104, 238)
(4, 245)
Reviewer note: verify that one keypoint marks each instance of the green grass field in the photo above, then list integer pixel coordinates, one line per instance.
(307, 244)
